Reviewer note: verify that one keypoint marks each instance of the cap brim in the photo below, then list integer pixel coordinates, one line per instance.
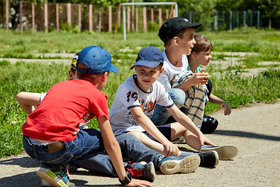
(114, 69)
(146, 64)
(193, 25)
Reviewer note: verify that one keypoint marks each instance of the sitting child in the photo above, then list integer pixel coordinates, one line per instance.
(134, 104)
(201, 55)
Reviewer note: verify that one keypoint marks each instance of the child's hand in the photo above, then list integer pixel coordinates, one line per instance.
(170, 149)
(203, 140)
(137, 182)
(199, 78)
(227, 109)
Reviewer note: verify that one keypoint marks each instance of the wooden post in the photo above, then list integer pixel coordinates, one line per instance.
(110, 19)
(7, 14)
(20, 16)
(133, 18)
(33, 16)
(99, 21)
(80, 16)
(166, 12)
(57, 16)
(159, 16)
(46, 17)
(136, 20)
(90, 17)
(145, 18)
(69, 13)
(128, 19)
(152, 15)
(118, 21)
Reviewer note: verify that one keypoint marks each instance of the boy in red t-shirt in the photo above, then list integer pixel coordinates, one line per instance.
(51, 133)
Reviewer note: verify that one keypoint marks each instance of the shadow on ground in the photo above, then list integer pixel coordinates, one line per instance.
(246, 135)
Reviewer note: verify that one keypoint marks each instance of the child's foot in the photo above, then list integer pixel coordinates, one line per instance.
(225, 152)
(182, 164)
(209, 159)
(55, 176)
(142, 170)
(209, 124)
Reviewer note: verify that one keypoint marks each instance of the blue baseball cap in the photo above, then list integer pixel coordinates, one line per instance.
(97, 60)
(149, 56)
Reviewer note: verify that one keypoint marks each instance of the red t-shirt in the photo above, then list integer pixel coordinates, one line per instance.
(64, 107)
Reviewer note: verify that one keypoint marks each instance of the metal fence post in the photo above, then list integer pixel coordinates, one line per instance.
(230, 20)
(258, 19)
(244, 18)
(217, 21)
(190, 16)
(251, 18)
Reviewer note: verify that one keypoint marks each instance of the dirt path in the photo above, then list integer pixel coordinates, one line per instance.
(254, 130)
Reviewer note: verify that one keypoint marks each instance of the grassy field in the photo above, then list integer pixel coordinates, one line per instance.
(37, 77)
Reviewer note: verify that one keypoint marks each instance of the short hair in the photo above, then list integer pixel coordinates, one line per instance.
(85, 76)
(202, 44)
(179, 35)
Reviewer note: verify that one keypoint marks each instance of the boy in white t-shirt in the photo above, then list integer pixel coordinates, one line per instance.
(134, 103)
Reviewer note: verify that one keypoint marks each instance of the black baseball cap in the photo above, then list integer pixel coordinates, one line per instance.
(172, 26)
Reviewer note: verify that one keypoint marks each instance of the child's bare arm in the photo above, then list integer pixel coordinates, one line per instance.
(113, 149)
(28, 100)
(195, 79)
(149, 126)
(216, 100)
(184, 120)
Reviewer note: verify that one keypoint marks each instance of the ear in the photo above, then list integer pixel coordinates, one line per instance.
(70, 74)
(161, 71)
(175, 40)
(103, 76)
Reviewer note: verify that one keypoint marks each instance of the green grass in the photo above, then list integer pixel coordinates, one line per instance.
(37, 77)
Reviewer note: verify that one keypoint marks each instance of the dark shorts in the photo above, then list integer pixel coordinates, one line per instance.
(164, 129)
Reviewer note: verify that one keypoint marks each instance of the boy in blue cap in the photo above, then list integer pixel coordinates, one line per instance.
(133, 106)
(51, 133)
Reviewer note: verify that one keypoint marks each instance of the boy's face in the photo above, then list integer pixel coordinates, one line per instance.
(187, 42)
(146, 76)
(203, 57)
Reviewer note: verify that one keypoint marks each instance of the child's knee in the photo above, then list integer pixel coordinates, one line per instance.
(177, 95)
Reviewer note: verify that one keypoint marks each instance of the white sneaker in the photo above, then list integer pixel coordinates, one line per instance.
(225, 152)
(183, 164)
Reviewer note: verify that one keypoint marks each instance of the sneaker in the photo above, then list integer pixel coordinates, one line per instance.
(226, 152)
(209, 124)
(45, 183)
(142, 170)
(209, 159)
(55, 176)
(182, 164)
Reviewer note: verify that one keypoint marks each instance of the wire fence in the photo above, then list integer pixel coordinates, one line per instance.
(80, 17)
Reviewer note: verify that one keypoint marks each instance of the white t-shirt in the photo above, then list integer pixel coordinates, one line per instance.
(130, 95)
(170, 71)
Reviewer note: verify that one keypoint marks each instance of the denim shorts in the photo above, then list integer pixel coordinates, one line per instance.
(164, 129)
(87, 143)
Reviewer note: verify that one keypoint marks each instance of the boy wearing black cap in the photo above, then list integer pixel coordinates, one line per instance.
(51, 133)
(178, 37)
(184, 87)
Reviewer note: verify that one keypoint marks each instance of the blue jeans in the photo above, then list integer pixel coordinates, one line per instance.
(132, 150)
(86, 144)
(161, 115)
